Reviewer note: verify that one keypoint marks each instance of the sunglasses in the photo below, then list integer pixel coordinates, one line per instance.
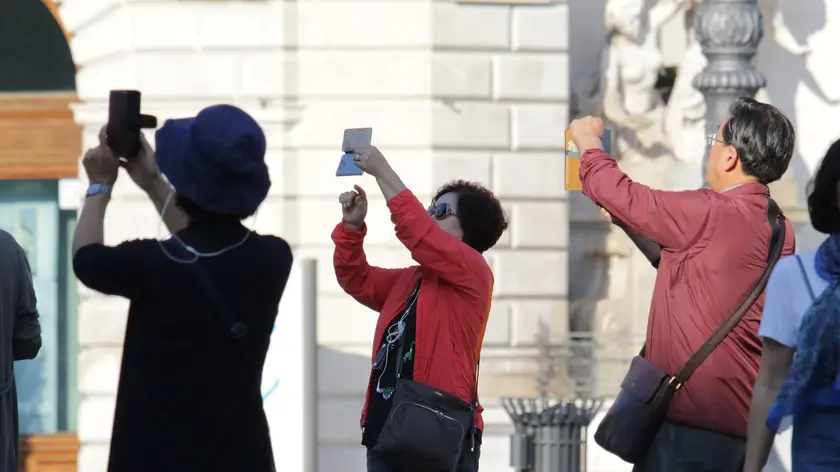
(441, 211)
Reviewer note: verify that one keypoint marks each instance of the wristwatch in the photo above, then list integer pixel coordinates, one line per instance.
(96, 189)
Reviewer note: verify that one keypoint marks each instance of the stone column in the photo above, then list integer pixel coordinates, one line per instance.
(729, 32)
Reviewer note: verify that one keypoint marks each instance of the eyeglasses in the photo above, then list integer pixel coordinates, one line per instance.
(441, 211)
(712, 139)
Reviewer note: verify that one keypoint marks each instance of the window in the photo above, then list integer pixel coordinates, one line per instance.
(46, 385)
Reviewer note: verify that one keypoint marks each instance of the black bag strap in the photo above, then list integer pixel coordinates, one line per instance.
(229, 320)
(235, 327)
(777, 241)
(805, 277)
(412, 300)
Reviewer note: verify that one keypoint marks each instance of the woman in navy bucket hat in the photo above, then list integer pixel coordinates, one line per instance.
(216, 160)
(203, 303)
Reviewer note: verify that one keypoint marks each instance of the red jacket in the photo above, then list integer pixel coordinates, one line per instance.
(714, 248)
(453, 305)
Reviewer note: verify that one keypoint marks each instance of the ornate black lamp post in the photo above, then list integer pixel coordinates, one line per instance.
(729, 32)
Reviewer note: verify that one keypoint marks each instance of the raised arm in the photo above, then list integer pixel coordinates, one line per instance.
(436, 250)
(26, 342)
(433, 248)
(143, 170)
(368, 284)
(671, 219)
(650, 249)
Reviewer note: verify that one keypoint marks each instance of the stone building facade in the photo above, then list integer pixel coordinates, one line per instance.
(451, 90)
(468, 89)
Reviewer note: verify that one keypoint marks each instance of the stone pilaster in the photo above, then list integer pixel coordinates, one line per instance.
(729, 32)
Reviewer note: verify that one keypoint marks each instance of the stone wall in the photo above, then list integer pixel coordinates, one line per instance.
(452, 91)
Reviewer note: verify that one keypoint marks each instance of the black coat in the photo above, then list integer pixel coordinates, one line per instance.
(189, 397)
(20, 338)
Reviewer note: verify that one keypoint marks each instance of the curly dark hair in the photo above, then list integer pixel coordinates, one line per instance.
(762, 136)
(479, 211)
(822, 195)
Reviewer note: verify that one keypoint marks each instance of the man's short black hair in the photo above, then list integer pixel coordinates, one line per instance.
(196, 213)
(762, 136)
(822, 198)
(480, 213)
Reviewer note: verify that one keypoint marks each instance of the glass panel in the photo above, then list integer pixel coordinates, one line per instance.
(29, 211)
(68, 296)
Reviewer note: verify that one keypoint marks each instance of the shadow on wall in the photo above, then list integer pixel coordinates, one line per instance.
(783, 57)
(342, 379)
(587, 36)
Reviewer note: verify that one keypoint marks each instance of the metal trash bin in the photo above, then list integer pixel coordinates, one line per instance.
(549, 434)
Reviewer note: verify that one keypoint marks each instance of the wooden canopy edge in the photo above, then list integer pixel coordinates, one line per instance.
(49, 453)
(52, 6)
(39, 138)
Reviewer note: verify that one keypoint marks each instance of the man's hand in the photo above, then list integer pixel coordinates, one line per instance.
(100, 163)
(610, 219)
(143, 168)
(354, 207)
(587, 133)
(607, 216)
(371, 160)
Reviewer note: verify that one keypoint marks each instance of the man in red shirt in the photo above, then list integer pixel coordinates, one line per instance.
(710, 246)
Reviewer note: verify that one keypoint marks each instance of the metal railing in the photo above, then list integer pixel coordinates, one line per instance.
(575, 375)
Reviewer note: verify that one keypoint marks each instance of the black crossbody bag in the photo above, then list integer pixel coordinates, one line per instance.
(427, 427)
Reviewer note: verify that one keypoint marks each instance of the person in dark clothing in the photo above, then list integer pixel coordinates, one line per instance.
(20, 338)
(189, 394)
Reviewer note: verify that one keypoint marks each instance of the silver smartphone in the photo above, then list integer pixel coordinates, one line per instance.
(353, 138)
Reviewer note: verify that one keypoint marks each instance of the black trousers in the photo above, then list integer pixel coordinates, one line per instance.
(682, 448)
(467, 463)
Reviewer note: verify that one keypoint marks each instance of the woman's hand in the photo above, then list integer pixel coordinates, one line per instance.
(354, 206)
(371, 160)
(100, 163)
(143, 168)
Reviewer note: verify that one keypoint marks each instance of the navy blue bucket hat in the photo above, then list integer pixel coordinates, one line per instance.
(216, 160)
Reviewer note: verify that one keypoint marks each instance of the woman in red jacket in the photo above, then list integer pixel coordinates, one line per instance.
(432, 316)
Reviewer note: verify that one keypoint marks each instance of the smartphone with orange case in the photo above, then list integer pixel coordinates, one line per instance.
(573, 159)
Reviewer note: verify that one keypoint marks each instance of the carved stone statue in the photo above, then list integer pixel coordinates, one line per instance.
(632, 106)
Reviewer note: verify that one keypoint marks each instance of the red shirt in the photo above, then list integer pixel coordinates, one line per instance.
(714, 249)
(453, 305)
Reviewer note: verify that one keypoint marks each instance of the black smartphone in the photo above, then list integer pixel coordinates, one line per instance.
(125, 122)
(381, 358)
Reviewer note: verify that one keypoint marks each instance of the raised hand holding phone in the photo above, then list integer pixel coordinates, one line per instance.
(354, 138)
(583, 134)
(125, 122)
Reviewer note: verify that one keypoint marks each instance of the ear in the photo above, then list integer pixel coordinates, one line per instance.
(730, 159)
